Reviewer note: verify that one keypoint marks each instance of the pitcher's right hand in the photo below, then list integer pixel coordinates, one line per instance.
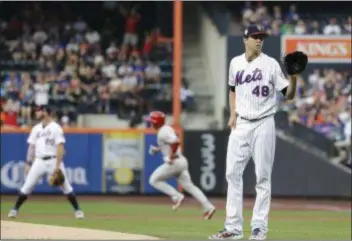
(232, 122)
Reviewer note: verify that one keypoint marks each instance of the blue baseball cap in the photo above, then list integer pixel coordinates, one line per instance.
(255, 29)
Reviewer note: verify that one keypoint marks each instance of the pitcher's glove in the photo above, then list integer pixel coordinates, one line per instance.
(295, 62)
(57, 178)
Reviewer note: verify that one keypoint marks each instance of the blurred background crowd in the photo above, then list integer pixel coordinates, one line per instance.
(52, 55)
(278, 20)
(323, 103)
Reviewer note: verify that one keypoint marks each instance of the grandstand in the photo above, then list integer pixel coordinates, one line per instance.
(112, 63)
(81, 58)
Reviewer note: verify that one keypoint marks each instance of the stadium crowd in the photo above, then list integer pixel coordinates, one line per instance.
(323, 102)
(278, 21)
(65, 63)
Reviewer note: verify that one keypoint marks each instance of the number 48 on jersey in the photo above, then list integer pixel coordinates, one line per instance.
(261, 91)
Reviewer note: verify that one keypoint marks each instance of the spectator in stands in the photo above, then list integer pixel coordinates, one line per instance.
(104, 99)
(287, 28)
(147, 47)
(332, 28)
(277, 14)
(187, 96)
(275, 28)
(315, 28)
(292, 14)
(11, 109)
(348, 25)
(27, 99)
(41, 90)
(300, 28)
(153, 72)
(131, 25)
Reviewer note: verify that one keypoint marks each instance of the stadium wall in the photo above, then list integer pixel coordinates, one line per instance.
(117, 162)
(214, 49)
(296, 173)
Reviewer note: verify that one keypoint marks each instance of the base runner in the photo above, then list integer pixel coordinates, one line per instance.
(175, 165)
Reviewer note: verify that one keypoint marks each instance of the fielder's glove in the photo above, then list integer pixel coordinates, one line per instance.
(295, 62)
(57, 178)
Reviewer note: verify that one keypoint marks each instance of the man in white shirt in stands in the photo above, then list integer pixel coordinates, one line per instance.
(41, 88)
(45, 156)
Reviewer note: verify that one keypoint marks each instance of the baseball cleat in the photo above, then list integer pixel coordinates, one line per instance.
(12, 213)
(224, 234)
(209, 214)
(178, 203)
(79, 214)
(257, 234)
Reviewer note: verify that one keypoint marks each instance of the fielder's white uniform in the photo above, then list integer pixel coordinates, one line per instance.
(179, 169)
(45, 141)
(256, 84)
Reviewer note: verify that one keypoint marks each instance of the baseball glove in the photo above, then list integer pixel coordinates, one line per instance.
(295, 62)
(57, 178)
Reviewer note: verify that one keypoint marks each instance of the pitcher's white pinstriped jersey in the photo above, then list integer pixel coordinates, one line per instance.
(256, 85)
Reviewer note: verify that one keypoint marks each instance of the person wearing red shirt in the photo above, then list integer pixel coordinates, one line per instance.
(147, 47)
(10, 111)
(132, 20)
(10, 119)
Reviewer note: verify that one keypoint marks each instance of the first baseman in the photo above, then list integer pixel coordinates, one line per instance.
(44, 156)
(254, 79)
(175, 165)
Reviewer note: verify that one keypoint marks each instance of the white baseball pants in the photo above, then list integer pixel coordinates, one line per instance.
(178, 169)
(254, 139)
(38, 169)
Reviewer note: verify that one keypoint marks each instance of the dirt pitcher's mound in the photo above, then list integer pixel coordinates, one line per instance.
(17, 230)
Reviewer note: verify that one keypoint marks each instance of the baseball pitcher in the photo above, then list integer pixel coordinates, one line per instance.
(254, 80)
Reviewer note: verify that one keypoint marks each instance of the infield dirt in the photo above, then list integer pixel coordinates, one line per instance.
(18, 230)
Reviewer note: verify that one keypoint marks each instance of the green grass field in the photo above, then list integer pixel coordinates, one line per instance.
(160, 221)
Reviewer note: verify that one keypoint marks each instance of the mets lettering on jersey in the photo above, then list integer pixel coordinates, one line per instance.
(255, 76)
(256, 83)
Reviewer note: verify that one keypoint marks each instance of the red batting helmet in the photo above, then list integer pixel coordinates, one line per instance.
(157, 118)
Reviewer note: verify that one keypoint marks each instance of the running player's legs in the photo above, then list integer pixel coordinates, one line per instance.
(184, 179)
(162, 173)
(36, 171)
(238, 154)
(263, 149)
